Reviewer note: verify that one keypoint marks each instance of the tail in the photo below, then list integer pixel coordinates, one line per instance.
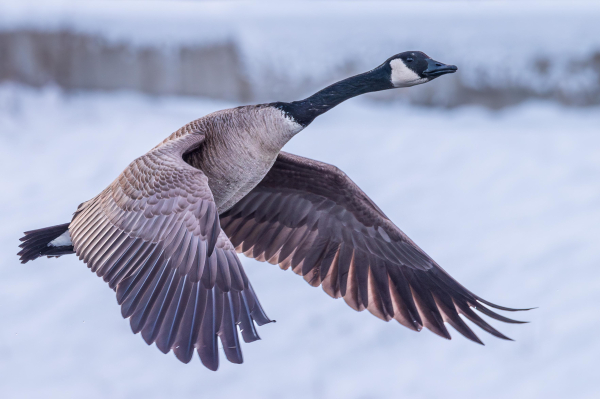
(49, 241)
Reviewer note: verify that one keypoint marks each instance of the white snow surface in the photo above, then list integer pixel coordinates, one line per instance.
(497, 44)
(507, 202)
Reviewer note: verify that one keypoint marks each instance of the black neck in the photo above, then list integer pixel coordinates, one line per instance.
(305, 111)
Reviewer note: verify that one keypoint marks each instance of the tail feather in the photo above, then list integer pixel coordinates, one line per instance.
(37, 243)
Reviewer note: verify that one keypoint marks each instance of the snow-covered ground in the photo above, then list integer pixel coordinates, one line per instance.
(507, 202)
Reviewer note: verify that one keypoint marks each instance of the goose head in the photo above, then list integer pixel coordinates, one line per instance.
(412, 68)
(406, 69)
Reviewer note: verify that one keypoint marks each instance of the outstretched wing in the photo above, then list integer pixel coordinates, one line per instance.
(311, 217)
(154, 236)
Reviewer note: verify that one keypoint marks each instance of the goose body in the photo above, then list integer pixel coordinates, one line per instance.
(249, 138)
(165, 233)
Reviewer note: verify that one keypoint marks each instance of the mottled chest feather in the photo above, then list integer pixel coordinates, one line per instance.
(241, 146)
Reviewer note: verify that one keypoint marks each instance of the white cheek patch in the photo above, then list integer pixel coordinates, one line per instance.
(63, 240)
(402, 76)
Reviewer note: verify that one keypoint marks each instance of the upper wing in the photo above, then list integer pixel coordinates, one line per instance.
(154, 236)
(309, 215)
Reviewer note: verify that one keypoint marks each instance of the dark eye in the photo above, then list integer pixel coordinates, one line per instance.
(409, 60)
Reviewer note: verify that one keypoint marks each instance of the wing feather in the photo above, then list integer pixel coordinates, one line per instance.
(155, 236)
(309, 216)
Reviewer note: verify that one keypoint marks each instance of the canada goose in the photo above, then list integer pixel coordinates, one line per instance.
(164, 234)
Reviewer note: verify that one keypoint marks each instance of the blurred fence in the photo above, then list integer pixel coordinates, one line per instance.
(285, 53)
(77, 61)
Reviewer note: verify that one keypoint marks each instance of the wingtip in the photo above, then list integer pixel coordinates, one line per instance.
(497, 316)
(183, 356)
(262, 321)
(493, 305)
(504, 337)
(212, 366)
(475, 339)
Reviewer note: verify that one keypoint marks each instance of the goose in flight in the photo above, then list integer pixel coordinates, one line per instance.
(165, 233)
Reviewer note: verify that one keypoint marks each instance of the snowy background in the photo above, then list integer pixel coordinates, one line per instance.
(506, 197)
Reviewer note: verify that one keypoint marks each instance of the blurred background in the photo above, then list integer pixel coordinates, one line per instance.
(494, 171)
